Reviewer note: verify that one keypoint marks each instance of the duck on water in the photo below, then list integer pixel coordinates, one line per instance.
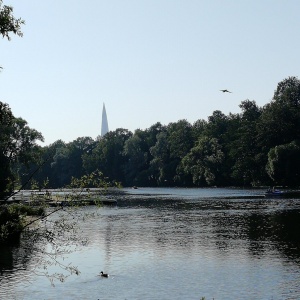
(103, 274)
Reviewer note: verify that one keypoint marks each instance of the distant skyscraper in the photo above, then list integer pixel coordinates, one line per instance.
(104, 127)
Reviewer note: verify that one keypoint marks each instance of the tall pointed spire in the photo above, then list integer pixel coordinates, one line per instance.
(104, 127)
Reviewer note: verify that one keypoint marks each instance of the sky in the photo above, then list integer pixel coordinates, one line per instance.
(149, 61)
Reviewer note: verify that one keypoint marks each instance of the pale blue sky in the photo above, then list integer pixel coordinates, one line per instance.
(148, 60)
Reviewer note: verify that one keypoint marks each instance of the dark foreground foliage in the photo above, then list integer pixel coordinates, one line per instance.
(13, 220)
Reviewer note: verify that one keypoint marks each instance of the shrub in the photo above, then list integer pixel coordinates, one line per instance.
(12, 220)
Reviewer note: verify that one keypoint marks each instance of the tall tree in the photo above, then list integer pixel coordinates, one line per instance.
(243, 146)
(17, 144)
(137, 162)
(279, 123)
(284, 164)
(223, 128)
(180, 138)
(217, 126)
(198, 129)
(161, 158)
(204, 162)
(108, 155)
(280, 119)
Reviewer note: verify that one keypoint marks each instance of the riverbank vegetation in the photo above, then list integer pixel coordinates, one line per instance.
(258, 146)
(14, 218)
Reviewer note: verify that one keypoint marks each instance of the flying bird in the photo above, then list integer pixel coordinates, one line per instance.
(225, 91)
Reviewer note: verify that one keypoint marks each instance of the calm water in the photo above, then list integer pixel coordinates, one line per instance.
(175, 244)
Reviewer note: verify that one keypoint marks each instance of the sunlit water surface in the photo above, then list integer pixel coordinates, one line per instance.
(176, 244)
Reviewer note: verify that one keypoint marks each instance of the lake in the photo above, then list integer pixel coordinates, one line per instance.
(174, 243)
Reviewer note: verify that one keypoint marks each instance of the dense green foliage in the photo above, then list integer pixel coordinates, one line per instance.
(8, 23)
(17, 147)
(258, 146)
(13, 220)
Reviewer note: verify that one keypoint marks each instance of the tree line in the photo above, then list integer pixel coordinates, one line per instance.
(258, 146)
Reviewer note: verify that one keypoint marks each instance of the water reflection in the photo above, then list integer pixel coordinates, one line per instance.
(6, 259)
(230, 247)
(265, 224)
(15, 261)
(281, 229)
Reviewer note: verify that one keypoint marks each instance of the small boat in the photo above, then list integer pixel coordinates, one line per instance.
(280, 193)
(274, 193)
